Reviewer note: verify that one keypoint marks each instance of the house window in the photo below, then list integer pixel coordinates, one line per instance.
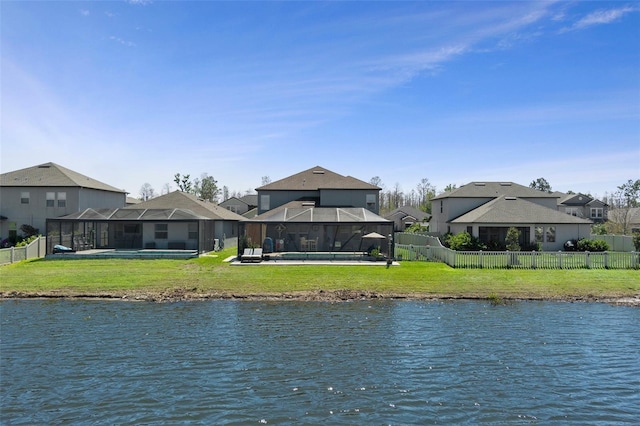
(62, 199)
(371, 201)
(551, 234)
(265, 201)
(51, 199)
(470, 230)
(161, 231)
(24, 198)
(193, 231)
(233, 209)
(573, 211)
(539, 234)
(597, 212)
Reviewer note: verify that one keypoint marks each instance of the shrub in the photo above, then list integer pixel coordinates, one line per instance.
(28, 230)
(416, 228)
(512, 243)
(464, 241)
(27, 241)
(585, 244)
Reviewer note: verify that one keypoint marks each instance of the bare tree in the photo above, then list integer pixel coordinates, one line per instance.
(426, 191)
(266, 180)
(166, 188)
(621, 203)
(146, 192)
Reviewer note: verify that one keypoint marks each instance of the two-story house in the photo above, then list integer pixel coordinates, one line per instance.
(486, 210)
(30, 196)
(585, 206)
(316, 210)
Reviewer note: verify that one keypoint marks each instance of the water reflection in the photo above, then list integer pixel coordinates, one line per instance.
(360, 362)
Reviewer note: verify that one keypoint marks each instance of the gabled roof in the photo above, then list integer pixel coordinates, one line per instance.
(405, 211)
(300, 211)
(232, 201)
(317, 178)
(250, 199)
(186, 201)
(513, 211)
(52, 175)
(494, 189)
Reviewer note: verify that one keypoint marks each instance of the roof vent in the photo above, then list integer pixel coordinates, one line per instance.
(44, 166)
(479, 184)
(510, 198)
(308, 204)
(318, 172)
(505, 183)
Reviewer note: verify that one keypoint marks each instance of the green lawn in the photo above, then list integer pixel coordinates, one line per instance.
(209, 275)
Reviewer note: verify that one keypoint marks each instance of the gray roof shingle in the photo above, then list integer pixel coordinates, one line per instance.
(52, 175)
(316, 178)
(186, 201)
(495, 189)
(511, 210)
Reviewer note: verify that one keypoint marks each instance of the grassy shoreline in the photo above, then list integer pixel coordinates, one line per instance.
(208, 277)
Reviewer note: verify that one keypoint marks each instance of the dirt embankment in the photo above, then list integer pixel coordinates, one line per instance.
(184, 294)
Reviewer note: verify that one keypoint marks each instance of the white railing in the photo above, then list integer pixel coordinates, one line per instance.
(520, 259)
(36, 249)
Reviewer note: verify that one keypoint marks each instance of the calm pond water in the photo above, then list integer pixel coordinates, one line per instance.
(227, 362)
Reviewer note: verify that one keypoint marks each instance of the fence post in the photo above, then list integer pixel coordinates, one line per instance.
(588, 259)
(606, 260)
(480, 259)
(559, 259)
(533, 259)
(12, 254)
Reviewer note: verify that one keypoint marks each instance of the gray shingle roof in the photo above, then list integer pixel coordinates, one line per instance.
(50, 175)
(183, 200)
(511, 210)
(408, 211)
(317, 178)
(494, 189)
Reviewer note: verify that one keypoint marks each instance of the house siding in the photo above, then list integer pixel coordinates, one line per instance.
(564, 232)
(36, 212)
(349, 198)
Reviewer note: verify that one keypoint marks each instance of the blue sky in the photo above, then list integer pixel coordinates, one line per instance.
(134, 92)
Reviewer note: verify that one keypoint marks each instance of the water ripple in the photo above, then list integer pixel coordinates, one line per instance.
(223, 362)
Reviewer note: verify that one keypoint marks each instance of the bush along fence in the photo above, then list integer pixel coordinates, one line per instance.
(35, 249)
(515, 259)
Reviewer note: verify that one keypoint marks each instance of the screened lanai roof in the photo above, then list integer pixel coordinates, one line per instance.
(134, 214)
(300, 212)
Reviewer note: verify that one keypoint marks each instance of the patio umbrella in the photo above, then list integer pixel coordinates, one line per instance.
(371, 236)
(374, 235)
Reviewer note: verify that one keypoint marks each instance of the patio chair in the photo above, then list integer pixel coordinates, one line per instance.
(246, 255)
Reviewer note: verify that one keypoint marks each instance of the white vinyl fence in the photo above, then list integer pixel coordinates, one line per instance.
(36, 249)
(416, 247)
(519, 259)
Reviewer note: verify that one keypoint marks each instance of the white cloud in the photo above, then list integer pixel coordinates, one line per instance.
(601, 17)
(122, 42)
